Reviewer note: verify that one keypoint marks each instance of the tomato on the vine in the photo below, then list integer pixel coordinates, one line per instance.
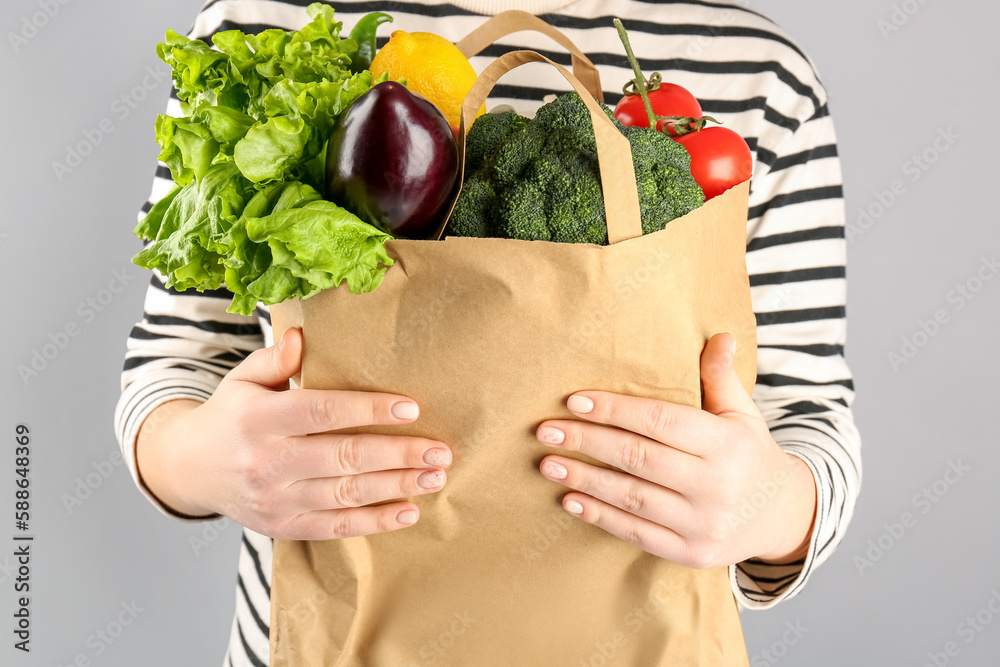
(667, 99)
(720, 159)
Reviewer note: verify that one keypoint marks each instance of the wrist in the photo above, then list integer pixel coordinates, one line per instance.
(798, 520)
(162, 460)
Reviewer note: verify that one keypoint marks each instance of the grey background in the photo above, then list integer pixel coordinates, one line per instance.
(61, 241)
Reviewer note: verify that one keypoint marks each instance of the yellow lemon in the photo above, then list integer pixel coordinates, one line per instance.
(432, 66)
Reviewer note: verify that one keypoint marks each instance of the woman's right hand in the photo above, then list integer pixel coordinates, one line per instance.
(257, 452)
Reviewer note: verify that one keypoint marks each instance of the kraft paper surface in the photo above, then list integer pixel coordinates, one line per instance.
(490, 336)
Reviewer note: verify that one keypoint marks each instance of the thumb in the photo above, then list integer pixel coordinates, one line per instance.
(272, 366)
(722, 389)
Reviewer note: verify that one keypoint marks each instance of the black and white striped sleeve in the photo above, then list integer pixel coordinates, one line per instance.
(796, 257)
(183, 346)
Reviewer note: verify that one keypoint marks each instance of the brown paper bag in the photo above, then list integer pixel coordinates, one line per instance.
(515, 20)
(490, 336)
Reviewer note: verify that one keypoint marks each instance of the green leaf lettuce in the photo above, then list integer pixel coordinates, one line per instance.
(248, 156)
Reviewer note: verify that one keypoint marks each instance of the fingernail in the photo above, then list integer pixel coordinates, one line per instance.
(437, 457)
(554, 470)
(430, 479)
(580, 404)
(732, 348)
(407, 517)
(573, 507)
(281, 341)
(405, 410)
(551, 435)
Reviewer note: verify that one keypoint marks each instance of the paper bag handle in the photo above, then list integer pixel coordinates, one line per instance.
(614, 153)
(515, 20)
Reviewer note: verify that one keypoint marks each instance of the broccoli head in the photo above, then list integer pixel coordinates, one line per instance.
(538, 179)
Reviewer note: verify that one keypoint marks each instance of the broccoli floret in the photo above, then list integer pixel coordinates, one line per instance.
(511, 157)
(521, 214)
(663, 178)
(493, 128)
(569, 112)
(575, 205)
(472, 215)
(538, 179)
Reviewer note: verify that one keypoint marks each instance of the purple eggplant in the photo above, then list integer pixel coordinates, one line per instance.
(393, 161)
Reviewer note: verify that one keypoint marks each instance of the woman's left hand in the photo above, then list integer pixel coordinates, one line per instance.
(702, 488)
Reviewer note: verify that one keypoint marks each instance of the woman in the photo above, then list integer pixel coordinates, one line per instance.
(197, 384)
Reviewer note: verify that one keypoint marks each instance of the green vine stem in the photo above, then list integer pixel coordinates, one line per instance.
(679, 125)
(652, 83)
(682, 125)
(640, 81)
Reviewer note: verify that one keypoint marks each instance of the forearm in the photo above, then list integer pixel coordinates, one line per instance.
(163, 467)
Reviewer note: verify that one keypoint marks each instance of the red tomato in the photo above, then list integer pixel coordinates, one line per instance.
(720, 159)
(667, 100)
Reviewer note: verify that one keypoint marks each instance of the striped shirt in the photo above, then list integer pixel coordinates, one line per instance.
(746, 72)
